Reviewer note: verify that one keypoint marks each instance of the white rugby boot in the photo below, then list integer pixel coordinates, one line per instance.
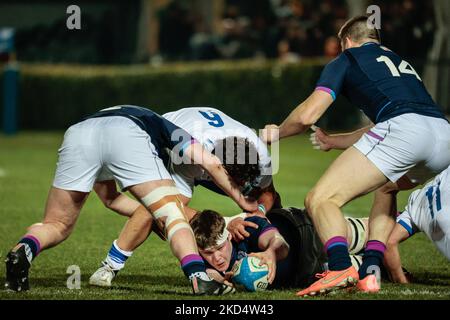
(103, 277)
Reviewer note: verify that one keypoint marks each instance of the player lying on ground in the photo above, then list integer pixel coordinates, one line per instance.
(428, 210)
(244, 156)
(127, 142)
(411, 136)
(288, 244)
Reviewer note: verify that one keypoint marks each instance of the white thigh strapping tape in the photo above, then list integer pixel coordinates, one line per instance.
(177, 227)
(158, 194)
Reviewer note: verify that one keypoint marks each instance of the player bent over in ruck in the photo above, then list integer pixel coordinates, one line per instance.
(127, 142)
(242, 153)
(427, 211)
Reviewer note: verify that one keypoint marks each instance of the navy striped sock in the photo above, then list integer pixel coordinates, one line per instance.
(33, 244)
(193, 266)
(337, 251)
(372, 259)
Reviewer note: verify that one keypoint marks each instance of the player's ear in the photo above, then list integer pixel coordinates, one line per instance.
(347, 43)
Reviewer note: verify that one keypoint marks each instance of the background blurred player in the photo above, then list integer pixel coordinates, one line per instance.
(411, 135)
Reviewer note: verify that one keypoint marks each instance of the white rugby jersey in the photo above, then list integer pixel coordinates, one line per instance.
(428, 211)
(208, 126)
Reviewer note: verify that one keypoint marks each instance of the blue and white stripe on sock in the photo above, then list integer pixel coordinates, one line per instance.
(117, 257)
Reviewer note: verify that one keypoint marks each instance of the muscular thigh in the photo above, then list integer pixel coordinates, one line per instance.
(348, 177)
(64, 206)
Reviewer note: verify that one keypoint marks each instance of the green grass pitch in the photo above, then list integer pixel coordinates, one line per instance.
(27, 164)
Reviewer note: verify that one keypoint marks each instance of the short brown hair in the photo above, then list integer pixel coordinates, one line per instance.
(239, 157)
(208, 226)
(357, 29)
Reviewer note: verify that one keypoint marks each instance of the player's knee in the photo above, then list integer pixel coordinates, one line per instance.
(312, 201)
(316, 199)
(165, 205)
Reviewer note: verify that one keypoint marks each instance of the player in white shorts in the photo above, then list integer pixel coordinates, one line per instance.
(127, 142)
(428, 211)
(223, 136)
(409, 135)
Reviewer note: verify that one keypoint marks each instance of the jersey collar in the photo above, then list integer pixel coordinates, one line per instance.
(368, 43)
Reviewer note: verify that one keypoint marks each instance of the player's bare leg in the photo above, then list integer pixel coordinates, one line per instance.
(161, 199)
(381, 224)
(138, 227)
(340, 184)
(61, 213)
(133, 234)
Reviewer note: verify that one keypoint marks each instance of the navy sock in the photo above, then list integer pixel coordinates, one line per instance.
(372, 259)
(337, 251)
(33, 245)
(193, 266)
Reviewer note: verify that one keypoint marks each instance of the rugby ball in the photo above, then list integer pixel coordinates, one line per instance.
(248, 273)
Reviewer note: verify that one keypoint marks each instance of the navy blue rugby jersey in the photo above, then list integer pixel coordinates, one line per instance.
(163, 133)
(379, 82)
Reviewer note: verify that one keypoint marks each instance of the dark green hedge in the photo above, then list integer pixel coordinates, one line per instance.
(53, 97)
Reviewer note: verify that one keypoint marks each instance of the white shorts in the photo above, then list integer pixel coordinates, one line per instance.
(104, 149)
(410, 143)
(428, 210)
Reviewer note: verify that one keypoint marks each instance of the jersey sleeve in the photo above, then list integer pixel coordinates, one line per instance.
(406, 221)
(333, 75)
(263, 226)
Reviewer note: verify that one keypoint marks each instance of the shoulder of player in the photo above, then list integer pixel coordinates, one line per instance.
(342, 60)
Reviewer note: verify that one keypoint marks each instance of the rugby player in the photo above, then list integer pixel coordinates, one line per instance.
(245, 158)
(428, 211)
(288, 244)
(128, 143)
(408, 144)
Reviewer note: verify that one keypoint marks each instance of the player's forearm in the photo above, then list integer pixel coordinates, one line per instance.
(306, 114)
(212, 165)
(297, 122)
(278, 246)
(345, 140)
(266, 201)
(393, 263)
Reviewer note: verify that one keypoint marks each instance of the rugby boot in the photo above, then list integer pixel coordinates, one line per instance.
(331, 281)
(212, 287)
(17, 266)
(104, 276)
(369, 284)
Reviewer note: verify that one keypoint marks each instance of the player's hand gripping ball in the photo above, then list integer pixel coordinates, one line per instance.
(248, 273)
